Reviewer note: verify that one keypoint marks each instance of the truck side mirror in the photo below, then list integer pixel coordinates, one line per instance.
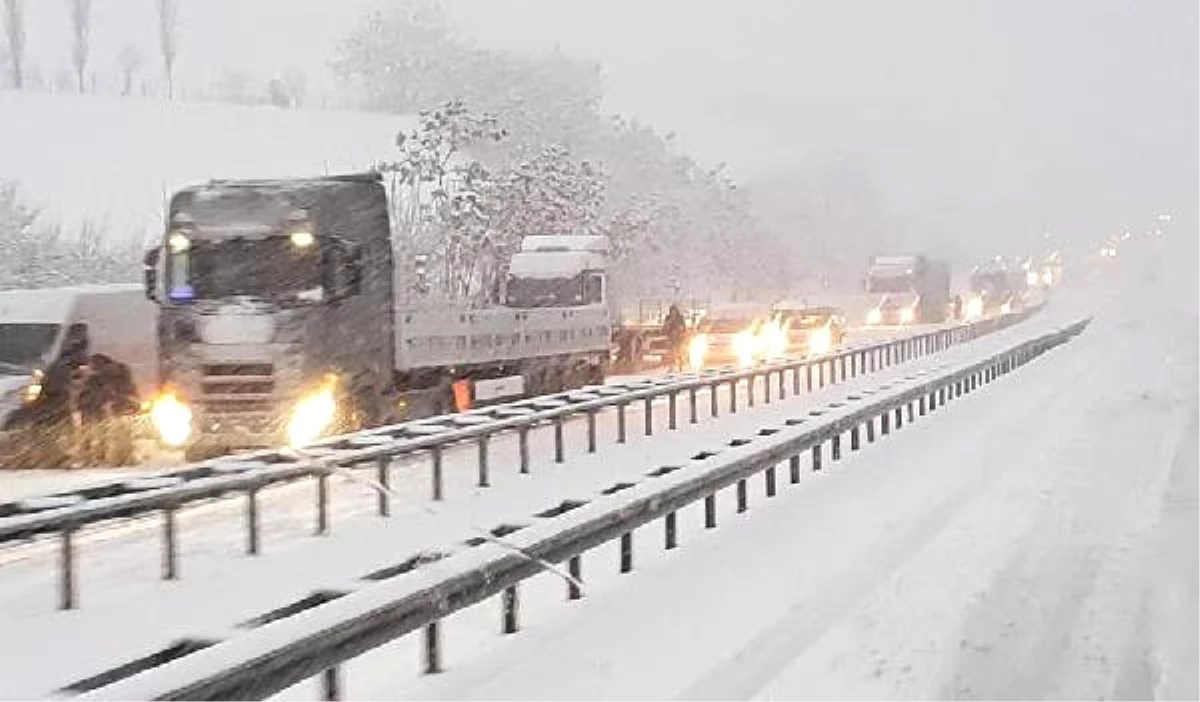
(150, 273)
(346, 269)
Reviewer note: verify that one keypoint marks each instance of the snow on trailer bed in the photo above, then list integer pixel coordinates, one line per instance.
(120, 592)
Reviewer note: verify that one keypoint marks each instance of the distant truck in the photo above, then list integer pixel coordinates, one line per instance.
(119, 322)
(996, 287)
(282, 319)
(910, 290)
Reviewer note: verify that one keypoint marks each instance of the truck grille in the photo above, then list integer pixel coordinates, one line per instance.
(237, 388)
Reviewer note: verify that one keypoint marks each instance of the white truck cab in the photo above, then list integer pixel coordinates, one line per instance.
(120, 322)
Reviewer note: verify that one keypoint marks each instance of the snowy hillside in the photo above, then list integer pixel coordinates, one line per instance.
(113, 161)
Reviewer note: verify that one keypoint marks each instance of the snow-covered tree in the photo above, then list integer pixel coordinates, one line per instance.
(34, 255)
(130, 61)
(14, 33)
(409, 56)
(81, 34)
(168, 41)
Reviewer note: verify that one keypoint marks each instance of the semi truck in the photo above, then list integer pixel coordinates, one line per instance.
(996, 287)
(909, 289)
(283, 317)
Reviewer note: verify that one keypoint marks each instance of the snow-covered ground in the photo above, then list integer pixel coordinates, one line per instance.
(1036, 540)
(113, 161)
(127, 612)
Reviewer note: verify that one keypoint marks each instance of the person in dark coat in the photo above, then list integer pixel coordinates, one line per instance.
(675, 329)
(107, 404)
(45, 427)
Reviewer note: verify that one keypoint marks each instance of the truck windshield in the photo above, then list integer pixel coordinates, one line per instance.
(22, 346)
(889, 284)
(271, 268)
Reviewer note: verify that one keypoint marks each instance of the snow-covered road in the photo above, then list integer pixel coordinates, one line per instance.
(127, 612)
(1036, 540)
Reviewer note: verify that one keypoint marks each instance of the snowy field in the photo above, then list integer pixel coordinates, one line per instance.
(130, 154)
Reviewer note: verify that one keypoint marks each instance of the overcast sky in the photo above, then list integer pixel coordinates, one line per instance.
(1067, 105)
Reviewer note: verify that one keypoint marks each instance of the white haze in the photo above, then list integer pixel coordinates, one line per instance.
(992, 118)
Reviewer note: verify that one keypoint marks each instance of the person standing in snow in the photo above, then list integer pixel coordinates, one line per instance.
(675, 329)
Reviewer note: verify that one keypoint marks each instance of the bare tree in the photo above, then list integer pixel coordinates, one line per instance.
(81, 30)
(14, 30)
(130, 61)
(168, 13)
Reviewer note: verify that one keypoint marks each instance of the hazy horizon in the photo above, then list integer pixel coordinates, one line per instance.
(1075, 113)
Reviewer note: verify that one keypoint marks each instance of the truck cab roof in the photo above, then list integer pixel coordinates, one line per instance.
(53, 305)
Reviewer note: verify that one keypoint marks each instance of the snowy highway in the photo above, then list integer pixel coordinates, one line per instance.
(118, 568)
(1024, 529)
(1036, 541)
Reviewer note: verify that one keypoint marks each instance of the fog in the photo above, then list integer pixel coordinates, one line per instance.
(978, 119)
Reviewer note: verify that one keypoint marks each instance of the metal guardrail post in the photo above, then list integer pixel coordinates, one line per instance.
(383, 475)
(816, 457)
(835, 447)
(591, 431)
(672, 419)
(621, 423)
(712, 400)
(575, 569)
(769, 478)
(710, 511)
(921, 404)
(794, 469)
(322, 527)
(870, 424)
(670, 529)
(648, 415)
(433, 648)
(751, 382)
(484, 478)
(741, 495)
(170, 560)
(523, 447)
(66, 586)
(796, 380)
(733, 404)
(331, 684)
(693, 417)
(854, 438)
(627, 552)
(509, 604)
(436, 472)
(252, 521)
(560, 454)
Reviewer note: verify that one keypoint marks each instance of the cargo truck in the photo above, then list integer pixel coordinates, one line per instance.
(284, 317)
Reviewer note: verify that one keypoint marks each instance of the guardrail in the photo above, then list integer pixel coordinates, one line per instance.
(66, 514)
(316, 636)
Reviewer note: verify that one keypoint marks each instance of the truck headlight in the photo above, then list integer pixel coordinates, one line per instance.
(875, 316)
(313, 415)
(172, 419)
(33, 390)
(745, 348)
(820, 341)
(974, 307)
(697, 350)
(907, 315)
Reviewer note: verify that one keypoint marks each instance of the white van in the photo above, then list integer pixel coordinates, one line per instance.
(121, 323)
